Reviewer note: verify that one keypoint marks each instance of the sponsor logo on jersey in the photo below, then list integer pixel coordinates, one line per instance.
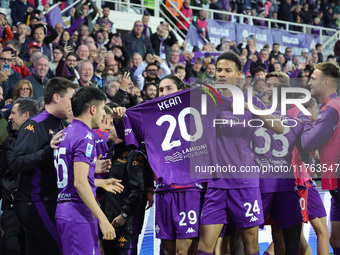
(190, 231)
(253, 219)
(30, 128)
(157, 229)
(89, 148)
(177, 156)
(88, 136)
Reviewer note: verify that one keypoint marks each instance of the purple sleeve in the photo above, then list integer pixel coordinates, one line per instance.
(48, 19)
(76, 24)
(314, 136)
(246, 66)
(294, 74)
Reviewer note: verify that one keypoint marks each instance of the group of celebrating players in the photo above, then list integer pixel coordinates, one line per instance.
(194, 214)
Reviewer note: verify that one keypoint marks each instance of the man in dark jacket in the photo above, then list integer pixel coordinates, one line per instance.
(13, 233)
(20, 10)
(136, 41)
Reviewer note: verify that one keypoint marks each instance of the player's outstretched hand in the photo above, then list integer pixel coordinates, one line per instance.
(56, 140)
(119, 221)
(103, 165)
(111, 185)
(107, 229)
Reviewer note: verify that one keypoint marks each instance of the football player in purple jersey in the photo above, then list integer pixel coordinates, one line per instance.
(235, 199)
(78, 213)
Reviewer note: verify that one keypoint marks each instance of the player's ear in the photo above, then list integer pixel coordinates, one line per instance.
(56, 97)
(92, 109)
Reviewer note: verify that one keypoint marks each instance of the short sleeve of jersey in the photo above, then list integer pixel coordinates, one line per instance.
(84, 151)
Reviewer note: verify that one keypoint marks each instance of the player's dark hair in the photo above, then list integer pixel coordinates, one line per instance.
(179, 83)
(27, 105)
(231, 56)
(57, 85)
(84, 98)
(179, 68)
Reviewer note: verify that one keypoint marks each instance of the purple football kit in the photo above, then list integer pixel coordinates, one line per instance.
(77, 226)
(279, 193)
(178, 139)
(234, 197)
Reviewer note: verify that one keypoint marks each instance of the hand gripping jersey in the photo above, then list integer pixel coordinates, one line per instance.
(77, 144)
(273, 153)
(178, 132)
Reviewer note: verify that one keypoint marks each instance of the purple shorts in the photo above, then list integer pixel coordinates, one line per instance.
(242, 207)
(284, 208)
(315, 206)
(78, 229)
(335, 208)
(178, 214)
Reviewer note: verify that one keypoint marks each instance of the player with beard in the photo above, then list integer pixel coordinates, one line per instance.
(78, 213)
(150, 91)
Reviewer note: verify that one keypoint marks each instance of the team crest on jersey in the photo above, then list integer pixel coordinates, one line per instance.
(157, 229)
(89, 148)
(89, 135)
(30, 128)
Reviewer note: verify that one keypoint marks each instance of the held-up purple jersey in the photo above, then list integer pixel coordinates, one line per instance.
(233, 151)
(179, 137)
(77, 144)
(101, 138)
(273, 154)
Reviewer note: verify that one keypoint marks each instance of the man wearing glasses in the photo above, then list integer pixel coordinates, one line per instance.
(136, 41)
(9, 77)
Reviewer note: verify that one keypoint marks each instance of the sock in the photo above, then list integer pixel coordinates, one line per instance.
(204, 253)
(336, 251)
(266, 253)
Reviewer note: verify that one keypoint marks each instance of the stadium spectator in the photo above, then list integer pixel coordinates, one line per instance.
(209, 72)
(289, 54)
(150, 91)
(111, 63)
(306, 14)
(8, 78)
(163, 40)
(85, 70)
(248, 21)
(58, 53)
(275, 52)
(136, 41)
(105, 22)
(98, 74)
(22, 9)
(39, 35)
(201, 24)
(23, 89)
(263, 62)
(39, 77)
(137, 59)
(285, 12)
(151, 66)
(260, 88)
(82, 9)
(7, 33)
(187, 12)
(318, 47)
(147, 29)
(173, 60)
(83, 52)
